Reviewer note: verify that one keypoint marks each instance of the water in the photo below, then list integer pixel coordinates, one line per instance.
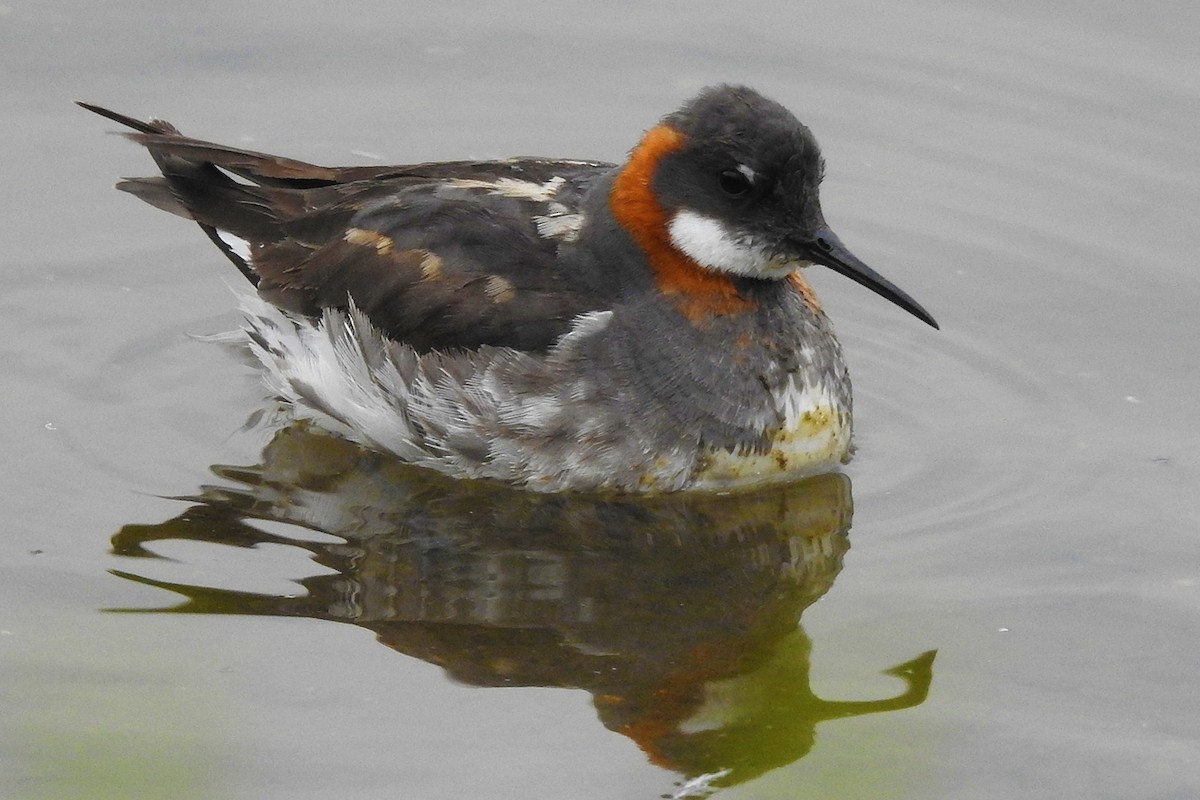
(1023, 502)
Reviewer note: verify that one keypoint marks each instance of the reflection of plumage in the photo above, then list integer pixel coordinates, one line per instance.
(677, 613)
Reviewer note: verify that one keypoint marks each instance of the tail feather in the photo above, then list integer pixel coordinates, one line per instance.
(260, 168)
(153, 126)
(197, 183)
(157, 192)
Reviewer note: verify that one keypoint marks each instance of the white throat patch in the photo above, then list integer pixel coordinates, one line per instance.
(709, 243)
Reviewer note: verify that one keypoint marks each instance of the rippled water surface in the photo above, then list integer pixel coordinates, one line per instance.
(1025, 500)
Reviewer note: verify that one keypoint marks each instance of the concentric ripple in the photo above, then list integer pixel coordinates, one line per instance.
(953, 432)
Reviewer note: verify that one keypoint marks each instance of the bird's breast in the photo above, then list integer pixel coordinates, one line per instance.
(813, 436)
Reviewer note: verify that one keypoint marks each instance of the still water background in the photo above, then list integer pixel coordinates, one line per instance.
(1026, 494)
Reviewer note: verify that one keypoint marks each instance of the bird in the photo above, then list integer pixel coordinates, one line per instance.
(558, 325)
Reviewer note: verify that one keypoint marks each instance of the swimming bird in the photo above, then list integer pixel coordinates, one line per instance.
(550, 323)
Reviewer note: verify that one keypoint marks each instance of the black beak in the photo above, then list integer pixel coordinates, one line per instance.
(826, 249)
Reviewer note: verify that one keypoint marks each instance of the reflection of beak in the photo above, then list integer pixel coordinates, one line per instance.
(826, 248)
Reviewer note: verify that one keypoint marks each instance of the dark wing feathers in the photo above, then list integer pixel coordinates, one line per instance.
(155, 191)
(261, 168)
(439, 255)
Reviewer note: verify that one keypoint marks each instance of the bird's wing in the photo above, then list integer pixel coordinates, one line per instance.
(439, 256)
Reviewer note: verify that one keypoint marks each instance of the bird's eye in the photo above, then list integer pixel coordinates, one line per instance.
(734, 183)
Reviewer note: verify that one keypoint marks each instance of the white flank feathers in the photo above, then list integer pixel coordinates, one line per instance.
(239, 246)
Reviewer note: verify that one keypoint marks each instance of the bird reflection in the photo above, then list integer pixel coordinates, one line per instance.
(678, 613)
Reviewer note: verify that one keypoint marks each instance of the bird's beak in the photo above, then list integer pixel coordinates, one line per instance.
(826, 248)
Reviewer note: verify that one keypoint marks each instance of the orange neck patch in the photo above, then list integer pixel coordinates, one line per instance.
(805, 290)
(700, 293)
